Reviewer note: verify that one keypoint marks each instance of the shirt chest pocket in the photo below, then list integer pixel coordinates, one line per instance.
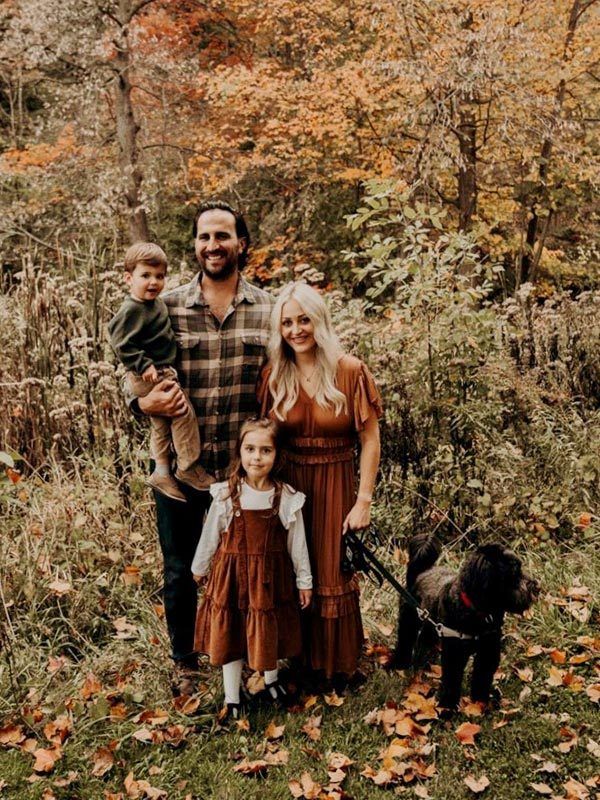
(255, 347)
(192, 355)
(192, 345)
(254, 356)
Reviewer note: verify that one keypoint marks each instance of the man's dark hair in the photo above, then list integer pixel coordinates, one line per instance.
(241, 228)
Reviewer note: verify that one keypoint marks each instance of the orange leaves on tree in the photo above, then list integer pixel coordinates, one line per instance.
(41, 156)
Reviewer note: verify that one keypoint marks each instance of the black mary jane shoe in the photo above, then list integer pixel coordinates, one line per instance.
(276, 694)
(230, 714)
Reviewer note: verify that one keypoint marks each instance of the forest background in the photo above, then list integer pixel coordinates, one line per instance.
(433, 168)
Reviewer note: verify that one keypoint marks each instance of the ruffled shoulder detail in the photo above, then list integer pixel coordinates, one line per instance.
(291, 503)
(365, 394)
(219, 491)
(263, 395)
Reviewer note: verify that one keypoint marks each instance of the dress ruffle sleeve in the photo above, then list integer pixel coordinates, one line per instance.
(291, 503)
(221, 503)
(366, 398)
(263, 395)
(217, 520)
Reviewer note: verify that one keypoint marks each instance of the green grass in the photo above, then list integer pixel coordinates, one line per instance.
(74, 528)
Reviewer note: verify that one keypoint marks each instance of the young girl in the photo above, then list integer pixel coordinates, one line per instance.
(255, 531)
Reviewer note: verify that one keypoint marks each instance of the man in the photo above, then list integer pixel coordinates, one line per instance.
(221, 323)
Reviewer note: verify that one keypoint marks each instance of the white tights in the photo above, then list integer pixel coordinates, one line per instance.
(232, 679)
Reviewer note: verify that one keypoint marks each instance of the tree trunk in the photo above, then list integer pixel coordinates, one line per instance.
(466, 132)
(530, 257)
(127, 129)
(467, 170)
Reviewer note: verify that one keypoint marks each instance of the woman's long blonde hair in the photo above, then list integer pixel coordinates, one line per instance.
(284, 382)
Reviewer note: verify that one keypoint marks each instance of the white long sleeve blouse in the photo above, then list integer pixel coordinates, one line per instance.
(220, 515)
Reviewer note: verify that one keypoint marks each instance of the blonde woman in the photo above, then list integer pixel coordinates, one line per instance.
(326, 403)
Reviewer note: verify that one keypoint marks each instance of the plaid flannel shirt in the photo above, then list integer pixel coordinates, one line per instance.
(219, 363)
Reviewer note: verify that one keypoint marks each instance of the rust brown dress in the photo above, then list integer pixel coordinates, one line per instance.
(250, 608)
(320, 451)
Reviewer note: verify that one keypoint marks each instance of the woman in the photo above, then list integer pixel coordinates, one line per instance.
(326, 402)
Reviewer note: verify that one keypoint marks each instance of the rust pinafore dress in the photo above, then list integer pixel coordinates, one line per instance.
(250, 608)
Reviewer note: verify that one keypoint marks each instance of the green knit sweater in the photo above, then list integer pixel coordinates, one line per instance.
(141, 335)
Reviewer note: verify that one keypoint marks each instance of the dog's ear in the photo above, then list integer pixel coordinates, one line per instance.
(423, 552)
(493, 552)
(496, 578)
(478, 577)
(487, 575)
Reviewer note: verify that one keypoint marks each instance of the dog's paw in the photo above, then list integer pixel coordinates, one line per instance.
(495, 699)
(492, 702)
(447, 713)
(397, 662)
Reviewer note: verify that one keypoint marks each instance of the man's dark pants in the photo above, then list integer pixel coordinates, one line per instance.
(179, 529)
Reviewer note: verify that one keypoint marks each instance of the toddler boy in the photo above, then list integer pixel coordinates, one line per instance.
(141, 336)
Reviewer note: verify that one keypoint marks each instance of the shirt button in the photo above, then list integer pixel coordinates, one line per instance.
(238, 513)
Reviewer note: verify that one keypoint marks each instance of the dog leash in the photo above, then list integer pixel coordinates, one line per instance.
(360, 558)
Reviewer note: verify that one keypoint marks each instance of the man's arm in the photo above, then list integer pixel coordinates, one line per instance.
(165, 399)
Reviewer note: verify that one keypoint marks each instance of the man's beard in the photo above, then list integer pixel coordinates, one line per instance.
(221, 273)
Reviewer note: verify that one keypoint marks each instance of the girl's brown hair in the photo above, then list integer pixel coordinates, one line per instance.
(237, 471)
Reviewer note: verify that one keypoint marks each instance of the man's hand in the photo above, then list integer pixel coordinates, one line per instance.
(305, 597)
(150, 375)
(164, 400)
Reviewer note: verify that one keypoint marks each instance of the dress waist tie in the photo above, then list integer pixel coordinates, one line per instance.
(319, 450)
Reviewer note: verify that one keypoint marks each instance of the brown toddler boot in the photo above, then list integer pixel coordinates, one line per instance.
(166, 485)
(196, 477)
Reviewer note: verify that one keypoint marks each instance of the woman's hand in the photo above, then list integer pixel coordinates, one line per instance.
(358, 517)
(305, 597)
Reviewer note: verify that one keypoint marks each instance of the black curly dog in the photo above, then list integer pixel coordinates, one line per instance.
(473, 603)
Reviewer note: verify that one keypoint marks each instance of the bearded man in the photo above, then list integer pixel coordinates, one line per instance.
(220, 321)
